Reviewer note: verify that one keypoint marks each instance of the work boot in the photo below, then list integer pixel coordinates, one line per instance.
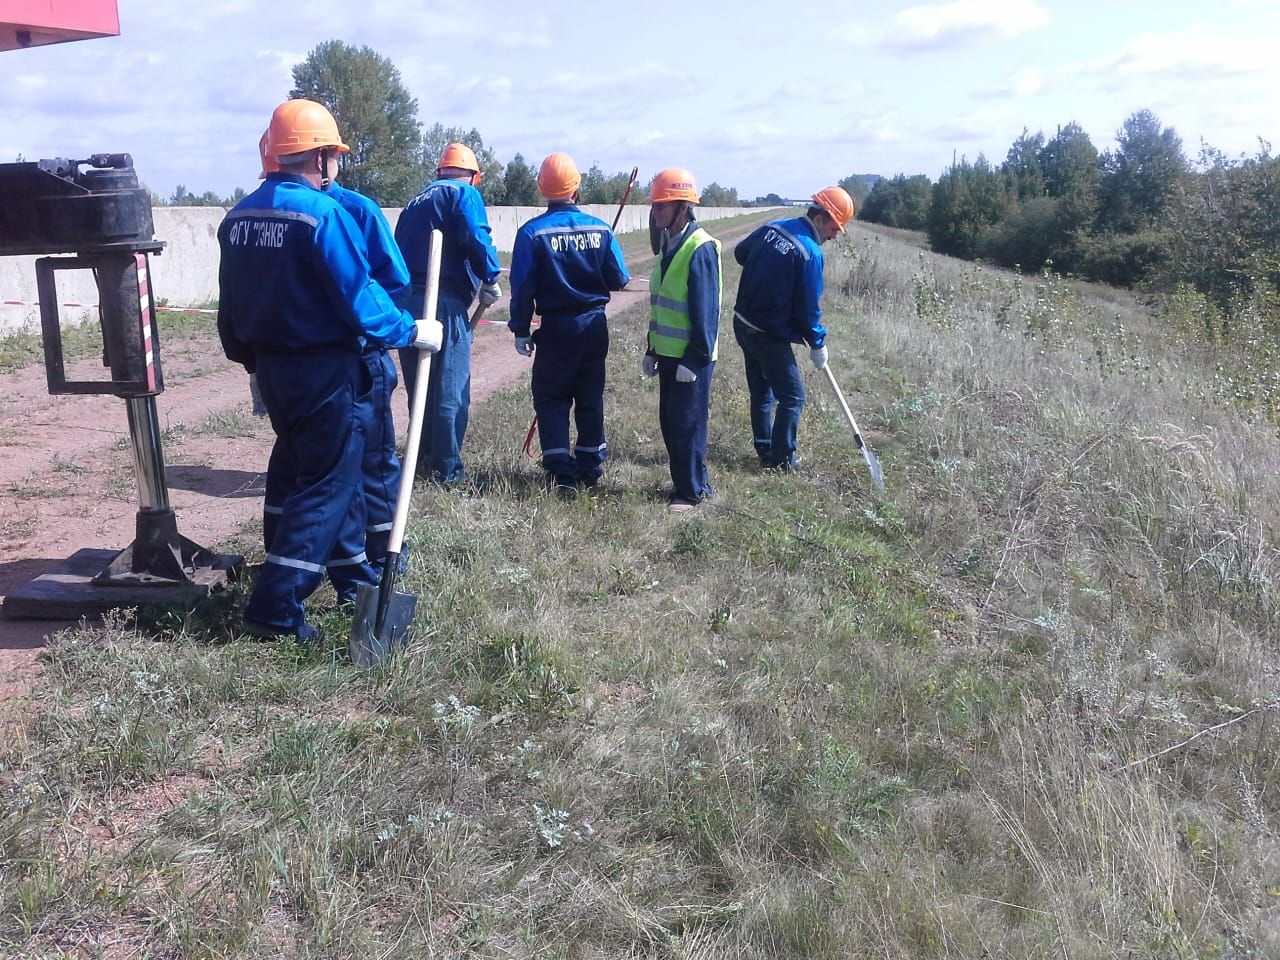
(304, 633)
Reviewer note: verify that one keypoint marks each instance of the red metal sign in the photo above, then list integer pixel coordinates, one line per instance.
(30, 23)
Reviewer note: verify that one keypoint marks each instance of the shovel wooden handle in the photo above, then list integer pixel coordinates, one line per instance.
(844, 405)
(417, 411)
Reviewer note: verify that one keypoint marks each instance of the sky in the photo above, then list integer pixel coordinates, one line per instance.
(765, 97)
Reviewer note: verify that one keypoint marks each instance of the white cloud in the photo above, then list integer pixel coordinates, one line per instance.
(1020, 84)
(953, 24)
(1193, 53)
(977, 126)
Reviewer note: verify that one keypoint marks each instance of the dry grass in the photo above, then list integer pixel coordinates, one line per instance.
(954, 722)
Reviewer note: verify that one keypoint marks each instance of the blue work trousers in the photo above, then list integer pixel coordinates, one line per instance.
(683, 410)
(448, 390)
(381, 465)
(380, 484)
(777, 393)
(318, 403)
(568, 374)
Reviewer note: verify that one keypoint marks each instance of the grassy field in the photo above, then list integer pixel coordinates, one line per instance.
(1021, 706)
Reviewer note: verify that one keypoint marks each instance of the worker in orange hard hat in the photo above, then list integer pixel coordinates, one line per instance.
(381, 464)
(298, 307)
(469, 267)
(778, 305)
(684, 325)
(563, 266)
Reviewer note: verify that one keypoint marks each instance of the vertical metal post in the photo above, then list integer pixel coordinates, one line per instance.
(148, 454)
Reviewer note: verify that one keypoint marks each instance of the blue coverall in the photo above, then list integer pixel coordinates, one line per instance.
(381, 467)
(298, 306)
(563, 265)
(777, 306)
(470, 259)
(684, 408)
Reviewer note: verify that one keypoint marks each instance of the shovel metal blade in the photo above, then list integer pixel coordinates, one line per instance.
(873, 464)
(370, 643)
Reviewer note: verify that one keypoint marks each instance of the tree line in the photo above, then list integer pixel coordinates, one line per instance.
(393, 156)
(1140, 214)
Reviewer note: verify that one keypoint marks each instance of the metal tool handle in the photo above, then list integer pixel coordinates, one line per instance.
(844, 405)
(631, 182)
(418, 410)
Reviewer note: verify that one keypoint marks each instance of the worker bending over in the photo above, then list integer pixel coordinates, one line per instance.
(563, 265)
(777, 305)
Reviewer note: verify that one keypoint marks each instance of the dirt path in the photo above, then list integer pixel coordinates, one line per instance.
(66, 470)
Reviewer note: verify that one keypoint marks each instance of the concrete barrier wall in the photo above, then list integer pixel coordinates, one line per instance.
(186, 273)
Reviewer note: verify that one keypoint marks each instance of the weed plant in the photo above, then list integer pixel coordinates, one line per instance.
(1021, 706)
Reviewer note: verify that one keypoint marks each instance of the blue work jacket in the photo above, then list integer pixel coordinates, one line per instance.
(781, 283)
(293, 276)
(385, 261)
(563, 264)
(456, 210)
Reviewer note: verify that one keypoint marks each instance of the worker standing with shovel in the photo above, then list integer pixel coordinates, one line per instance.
(778, 305)
(564, 263)
(297, 306)
(381, 465)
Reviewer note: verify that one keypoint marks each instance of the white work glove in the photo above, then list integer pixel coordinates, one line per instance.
(685, 375)
(819, 356)
(259, 408)
(429, 336)
(524, 346)
(649, 365)
(489, 294)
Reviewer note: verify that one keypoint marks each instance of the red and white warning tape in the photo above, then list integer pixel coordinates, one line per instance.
(94, 306)
(206, 310)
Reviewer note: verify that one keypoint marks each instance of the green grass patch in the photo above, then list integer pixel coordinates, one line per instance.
(956, 720)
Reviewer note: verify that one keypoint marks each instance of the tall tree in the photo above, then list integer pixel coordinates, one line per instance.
(1069, 163)
(520, 181)
(901, 202)
(436, 137)
(376, 116)
(714, 195)
(1022, 166)
(1140, 176)
(967, 201)
(599, 187)
(1071, 177)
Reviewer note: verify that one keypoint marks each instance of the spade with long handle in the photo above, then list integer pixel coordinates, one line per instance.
(383, 615)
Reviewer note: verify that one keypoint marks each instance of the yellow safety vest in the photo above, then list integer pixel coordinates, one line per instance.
(669, 326)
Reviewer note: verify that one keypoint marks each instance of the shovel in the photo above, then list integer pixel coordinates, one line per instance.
(384, 615)
(873, 464)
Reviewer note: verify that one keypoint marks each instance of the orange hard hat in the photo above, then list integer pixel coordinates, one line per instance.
(837, 202)
(269, 164)
(301, 125)
(673, 183)
(558, 177)
(458, 155)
